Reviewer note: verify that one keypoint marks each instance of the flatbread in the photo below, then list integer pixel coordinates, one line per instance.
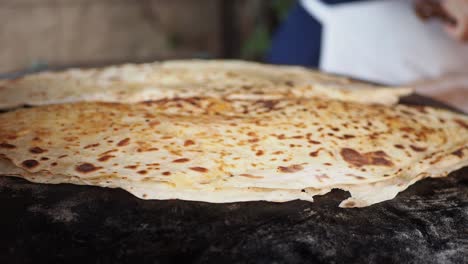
(132, 83)
(164, 190)
(216, 150)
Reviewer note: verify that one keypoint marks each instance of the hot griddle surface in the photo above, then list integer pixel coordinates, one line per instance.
(428, 223)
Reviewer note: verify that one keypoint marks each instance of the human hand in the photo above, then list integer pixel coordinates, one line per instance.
(458, 10)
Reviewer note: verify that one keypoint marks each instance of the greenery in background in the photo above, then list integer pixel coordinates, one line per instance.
(259, 41)
(281, 8)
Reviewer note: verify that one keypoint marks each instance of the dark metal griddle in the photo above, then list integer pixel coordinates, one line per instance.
(427, 223)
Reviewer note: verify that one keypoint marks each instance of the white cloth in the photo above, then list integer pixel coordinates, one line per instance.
(384, 41)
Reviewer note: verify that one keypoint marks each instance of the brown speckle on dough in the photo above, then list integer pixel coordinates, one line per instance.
(407, 129)
(199, 169)
(315, 153)
(418, 149)
(250, 176)
(154, 123)
(152, 149)
(123, 142)
(142, 172)
(106, 158)
(91, 146)
(70, 139)
(37, 150)
(107, 152)
(376, 158)
(436, 160)
(290, 169)
(30, 163)
(458, 153)
(166, 173)
(461, 123)
(86, 167)
(259, 153)
(188, 142)
(399, 146)
(146, 149)
(356, 176)
(269, 104)
(182, 160)
(7, 146)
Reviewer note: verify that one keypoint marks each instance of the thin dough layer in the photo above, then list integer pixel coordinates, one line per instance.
(131, 83)
(218, 150)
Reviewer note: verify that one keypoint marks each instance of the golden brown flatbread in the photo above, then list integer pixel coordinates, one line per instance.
(132, 83)
(219, 150)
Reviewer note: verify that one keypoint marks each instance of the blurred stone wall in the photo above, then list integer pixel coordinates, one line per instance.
(87, 32)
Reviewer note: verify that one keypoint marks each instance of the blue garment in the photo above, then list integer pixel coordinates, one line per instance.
(298, 39)
(341, 1)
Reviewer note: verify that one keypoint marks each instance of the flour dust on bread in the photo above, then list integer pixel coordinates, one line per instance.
(132, 83)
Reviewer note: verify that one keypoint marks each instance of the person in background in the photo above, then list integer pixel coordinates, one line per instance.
(381, 40)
